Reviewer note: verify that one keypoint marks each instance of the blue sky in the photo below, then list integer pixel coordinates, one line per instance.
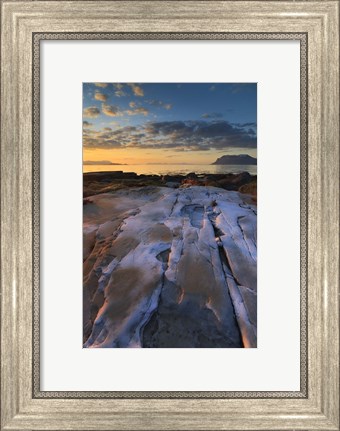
(152, 122)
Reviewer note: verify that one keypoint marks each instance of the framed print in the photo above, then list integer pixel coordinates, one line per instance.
(170, 215)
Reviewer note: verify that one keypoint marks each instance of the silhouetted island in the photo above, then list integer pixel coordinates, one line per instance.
(100, 163)
(240, 159)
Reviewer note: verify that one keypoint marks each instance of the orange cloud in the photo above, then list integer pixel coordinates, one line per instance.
(138, 111)
(100, 96)
(91, 112)
(111, 110)
(137, 90)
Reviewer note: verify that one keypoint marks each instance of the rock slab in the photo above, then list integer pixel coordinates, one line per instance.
(168, 267)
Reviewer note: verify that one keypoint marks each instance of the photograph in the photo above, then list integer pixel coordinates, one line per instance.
(169, 215)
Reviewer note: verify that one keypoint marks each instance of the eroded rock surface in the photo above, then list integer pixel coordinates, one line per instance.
(168, 267)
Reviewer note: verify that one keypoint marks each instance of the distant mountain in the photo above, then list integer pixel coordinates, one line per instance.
(240, 159)
(100, 162)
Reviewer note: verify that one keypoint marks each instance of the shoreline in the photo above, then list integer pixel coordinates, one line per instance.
(95, 183)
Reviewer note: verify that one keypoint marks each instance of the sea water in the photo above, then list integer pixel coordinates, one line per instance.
(167, 169)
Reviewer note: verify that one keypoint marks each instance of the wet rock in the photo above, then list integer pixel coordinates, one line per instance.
(249, 188)
(235, 181)
(172, 178)
(107, 182)
(172, 184)
(188, 182)
(192, 175)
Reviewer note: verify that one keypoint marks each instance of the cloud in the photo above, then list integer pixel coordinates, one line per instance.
(101, 84)
(160, 104)
(251, 128)
(199, 135)
(154, 102)
(175, 135)
(114, 111)
(136, 89)
(115, 123)
(242, 87)
(132, 104)
(111, 110)
(246, 125)
(138, 111)
(87, 124)
(213, 115)
(119, 90)
(100, 96)
(91, 112)
(110, 139)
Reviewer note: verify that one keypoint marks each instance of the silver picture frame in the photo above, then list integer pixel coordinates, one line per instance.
(315, 24)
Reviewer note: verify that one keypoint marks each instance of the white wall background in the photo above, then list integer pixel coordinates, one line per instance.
(274, 365)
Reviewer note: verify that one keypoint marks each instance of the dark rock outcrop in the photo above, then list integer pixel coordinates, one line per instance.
(106, 182)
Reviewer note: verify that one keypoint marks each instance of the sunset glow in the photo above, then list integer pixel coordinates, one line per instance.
(167, 123)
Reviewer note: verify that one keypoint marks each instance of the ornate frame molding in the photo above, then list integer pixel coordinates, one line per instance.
(316, 25)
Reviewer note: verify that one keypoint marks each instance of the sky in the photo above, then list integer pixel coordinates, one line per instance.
(168, 123)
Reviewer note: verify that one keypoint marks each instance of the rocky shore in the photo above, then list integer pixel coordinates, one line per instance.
(103, 182)
(169, 261)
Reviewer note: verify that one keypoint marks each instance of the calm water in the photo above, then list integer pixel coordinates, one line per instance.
(173, 169)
